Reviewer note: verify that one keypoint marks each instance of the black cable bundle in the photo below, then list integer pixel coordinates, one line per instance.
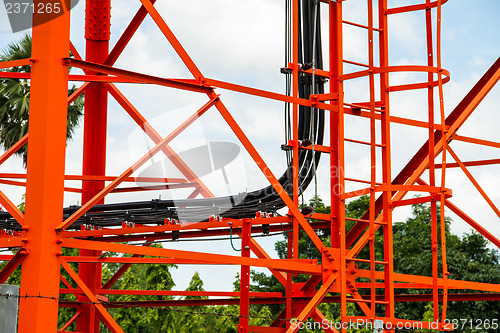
(310, 127)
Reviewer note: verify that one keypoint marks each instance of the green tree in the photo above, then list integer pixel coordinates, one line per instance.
(146, 319)
(468, 258)
(15, 100)
(192, 318)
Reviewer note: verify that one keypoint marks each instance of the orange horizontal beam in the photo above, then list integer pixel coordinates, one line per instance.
(317, 148)
(355, 110)
(171, 227)
(360, 26)
(362, 142)
(105, 178)
(278, 264)
(134, 260)
(411, 8)
(12, 241)
(476, 141)
(153, 187)
(136, 76)
(470, 163)
(93, 78)
(16, 183)
(359, 181)
(189, 234)
(103, 78)
(268, 94)
(15, 63)
(394, 188)
(428, 280)
(392, 69)
(172, 293)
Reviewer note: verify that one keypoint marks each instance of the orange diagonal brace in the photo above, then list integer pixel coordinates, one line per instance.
(156, 137)
(261, 253)
(474, 182)
(13, 263)
(468, 219)
(362, 305)
(473, 223)
(77, 92)
(135, 166)
(12, 150)
(73, 50)
(65, 282)
(320, 318)
(106, 317)
(15, 63)
(313, 303)
(267, 172)
(121, 271)
(69, 322)
(126, 36)
(172, 39)
(11, 208)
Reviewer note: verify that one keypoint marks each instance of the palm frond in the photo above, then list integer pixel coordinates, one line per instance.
(15, 101)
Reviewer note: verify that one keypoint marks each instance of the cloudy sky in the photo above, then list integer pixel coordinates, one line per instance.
(243, 42)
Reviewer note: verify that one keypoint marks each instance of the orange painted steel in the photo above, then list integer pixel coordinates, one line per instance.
(45, 174)
(244, 293)
(44, 230)
(13, 263)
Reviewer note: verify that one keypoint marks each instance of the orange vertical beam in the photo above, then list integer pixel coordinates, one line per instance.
(97, 34)
(443, 162)
(246, 227)
(96, 97)
(337, 217)
(293, 243)
(295, 124)
(386, 159)
(45, 179)
(289, 283)
(373, 156)
(336, 70)
(337, 147)
(432, 176)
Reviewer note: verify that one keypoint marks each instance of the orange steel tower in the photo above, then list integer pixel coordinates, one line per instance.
(45, 228)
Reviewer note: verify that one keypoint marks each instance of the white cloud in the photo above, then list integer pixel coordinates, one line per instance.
(242, 42)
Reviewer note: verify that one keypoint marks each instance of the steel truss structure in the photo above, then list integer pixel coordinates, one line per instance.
(45, 228)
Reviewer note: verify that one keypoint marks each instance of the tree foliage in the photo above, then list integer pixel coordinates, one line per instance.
(468, 258)
(15, 100)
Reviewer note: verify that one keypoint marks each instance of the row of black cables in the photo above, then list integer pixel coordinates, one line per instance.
(310, 132)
